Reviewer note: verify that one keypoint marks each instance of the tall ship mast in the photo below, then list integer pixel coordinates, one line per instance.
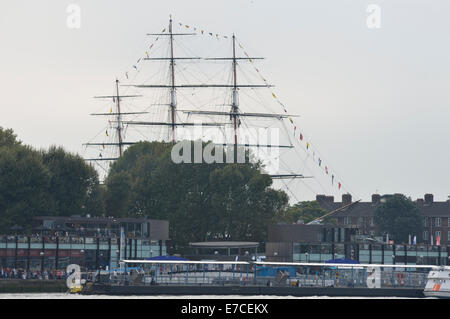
(172, 88)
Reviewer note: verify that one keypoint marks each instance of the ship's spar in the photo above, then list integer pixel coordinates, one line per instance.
(235, 113)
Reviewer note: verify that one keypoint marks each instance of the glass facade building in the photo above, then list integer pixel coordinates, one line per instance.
(92, 243)
(372, 253)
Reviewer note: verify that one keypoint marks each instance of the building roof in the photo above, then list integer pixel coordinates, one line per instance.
(79, 219)
(428, 208)
(225, 244)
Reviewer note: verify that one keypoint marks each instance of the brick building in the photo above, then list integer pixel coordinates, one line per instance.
(355, 235)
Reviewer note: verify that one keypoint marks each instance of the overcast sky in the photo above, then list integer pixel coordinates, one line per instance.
(374, 101)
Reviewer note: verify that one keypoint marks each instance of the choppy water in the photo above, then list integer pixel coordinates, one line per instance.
(72, 296)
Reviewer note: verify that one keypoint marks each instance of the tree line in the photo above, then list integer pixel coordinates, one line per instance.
(49, 182)
(218, 201)
(201, 201)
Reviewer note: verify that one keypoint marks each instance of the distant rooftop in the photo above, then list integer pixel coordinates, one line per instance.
(427, 205)
(225, 244)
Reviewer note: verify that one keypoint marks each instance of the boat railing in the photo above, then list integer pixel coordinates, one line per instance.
(355, 278)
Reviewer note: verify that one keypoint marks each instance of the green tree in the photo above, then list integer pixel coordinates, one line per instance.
(8, 138)
(399, 217)
(117, 194)
(24, 181)
(201, 201)
(52, 182)
(73, 183)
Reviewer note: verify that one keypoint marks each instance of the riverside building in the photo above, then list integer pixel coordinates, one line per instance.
(355, 236)
(91, 242)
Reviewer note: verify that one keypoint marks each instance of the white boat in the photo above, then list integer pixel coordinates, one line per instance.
(438, 283)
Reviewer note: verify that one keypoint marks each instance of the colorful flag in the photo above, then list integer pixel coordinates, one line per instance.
(307, 145)
(301, 137)
(340, 185)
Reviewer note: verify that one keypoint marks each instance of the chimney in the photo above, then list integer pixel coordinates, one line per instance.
(420, 201)
(346, 199)
(428, 198)
(376, 198)
(320, 198)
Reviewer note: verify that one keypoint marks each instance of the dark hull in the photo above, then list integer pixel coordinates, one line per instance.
(104, 289)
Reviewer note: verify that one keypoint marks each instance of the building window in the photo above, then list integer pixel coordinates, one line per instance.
(438, 233)
(425, 219)
(448, 235)
(448, 222)
(425, 235)
(437, 221)
(347, 220)
(372, 223)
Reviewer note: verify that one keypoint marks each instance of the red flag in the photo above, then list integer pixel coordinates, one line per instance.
(326, 169)
(301, 137)
(438, 241)
(339, 185)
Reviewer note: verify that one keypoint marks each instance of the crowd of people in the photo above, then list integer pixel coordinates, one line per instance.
(13, 273)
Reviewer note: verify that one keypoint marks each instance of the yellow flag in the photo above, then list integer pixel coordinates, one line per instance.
(291, 120)
(203, 31)
(107, 133)
(147, 54)
(307, 145)
(274, 96)
(110, 111)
